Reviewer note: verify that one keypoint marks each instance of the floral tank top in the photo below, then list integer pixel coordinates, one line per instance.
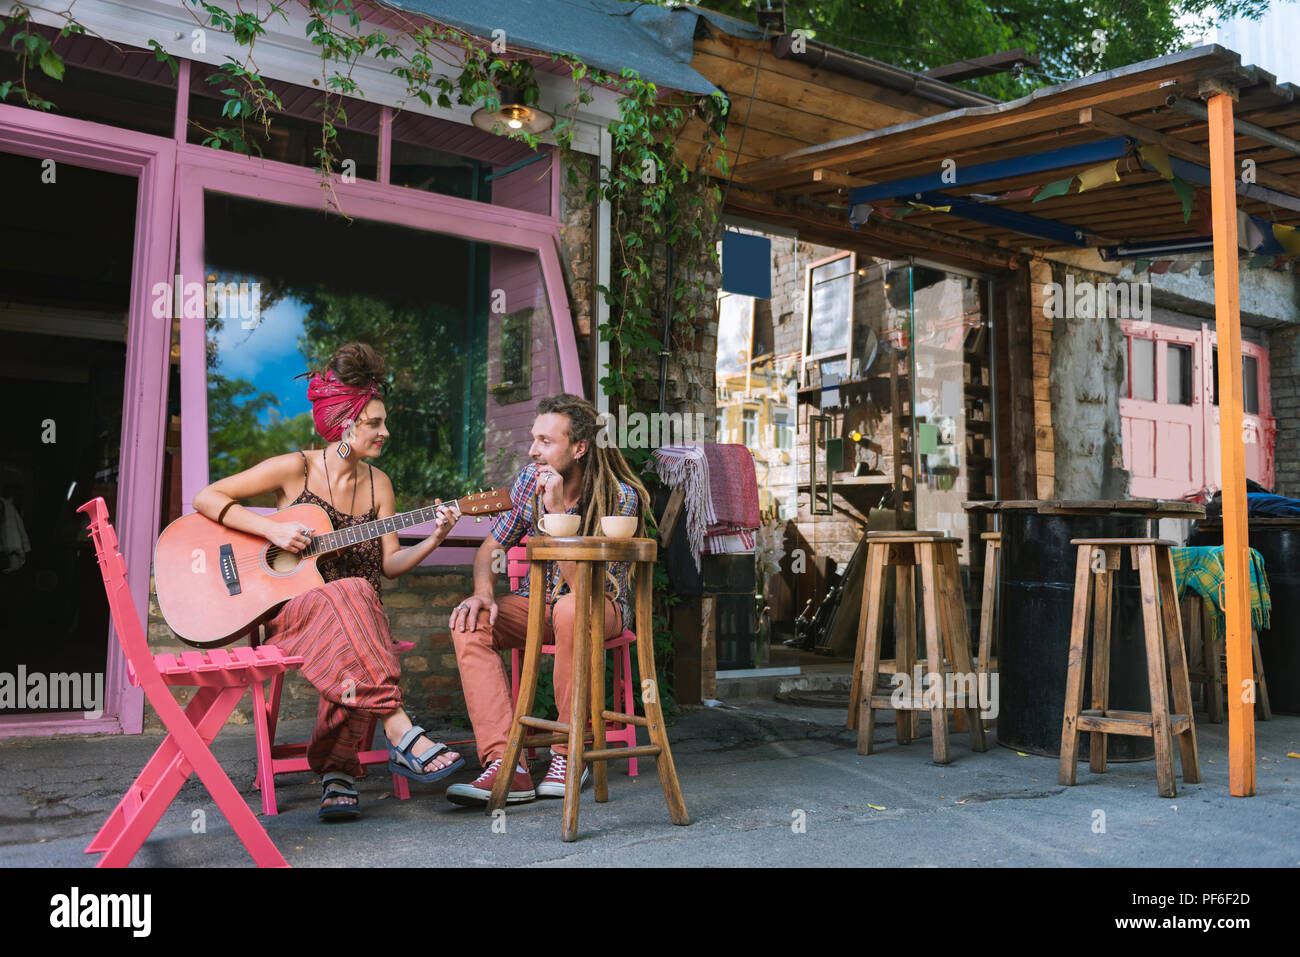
(363, 560)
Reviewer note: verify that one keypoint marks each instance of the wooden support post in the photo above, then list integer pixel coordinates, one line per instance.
(1232, 452)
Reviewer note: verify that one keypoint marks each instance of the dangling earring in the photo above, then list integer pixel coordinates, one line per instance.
(344, 449)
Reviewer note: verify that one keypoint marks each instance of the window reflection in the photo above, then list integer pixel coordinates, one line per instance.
(450, 317)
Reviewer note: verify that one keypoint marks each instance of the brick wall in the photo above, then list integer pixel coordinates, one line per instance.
(417, 606)
(1284, 372)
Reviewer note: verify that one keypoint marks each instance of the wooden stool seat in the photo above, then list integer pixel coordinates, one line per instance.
(945, 621)
(904, 533)
(1123, 542)
(1097, 560)
(590, 555)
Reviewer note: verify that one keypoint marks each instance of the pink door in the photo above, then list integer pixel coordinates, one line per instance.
(1170, 414)
(1162, 413)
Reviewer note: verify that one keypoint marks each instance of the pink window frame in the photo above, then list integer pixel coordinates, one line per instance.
(201, 169)
(151, 160)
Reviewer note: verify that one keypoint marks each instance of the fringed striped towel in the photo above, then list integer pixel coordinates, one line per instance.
(687, 467)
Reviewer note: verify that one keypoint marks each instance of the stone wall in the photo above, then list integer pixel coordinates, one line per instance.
(417, 606)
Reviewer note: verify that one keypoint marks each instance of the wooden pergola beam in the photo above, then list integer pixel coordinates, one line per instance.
(879, 233)
(1232, 450)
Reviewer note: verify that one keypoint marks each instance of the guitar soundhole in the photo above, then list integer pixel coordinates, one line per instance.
(281, 561)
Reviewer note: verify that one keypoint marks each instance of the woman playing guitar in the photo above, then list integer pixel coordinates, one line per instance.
(340, 628)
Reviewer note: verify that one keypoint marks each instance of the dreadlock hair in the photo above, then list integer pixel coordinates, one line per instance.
(605, 465)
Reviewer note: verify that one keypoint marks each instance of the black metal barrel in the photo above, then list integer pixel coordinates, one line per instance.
(1278, 541)
(1035, 602)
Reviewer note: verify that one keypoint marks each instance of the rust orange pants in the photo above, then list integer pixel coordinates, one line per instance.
(483, 676)
(342, 633)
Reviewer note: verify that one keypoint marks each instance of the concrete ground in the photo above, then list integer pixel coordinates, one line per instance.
(766, 783)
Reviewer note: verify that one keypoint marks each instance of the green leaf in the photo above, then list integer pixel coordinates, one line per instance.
(52, 64)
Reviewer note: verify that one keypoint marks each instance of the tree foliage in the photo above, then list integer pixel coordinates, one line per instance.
(1072, 37)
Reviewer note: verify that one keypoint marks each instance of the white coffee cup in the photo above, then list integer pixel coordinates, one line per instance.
(560, 524)
(618, 526)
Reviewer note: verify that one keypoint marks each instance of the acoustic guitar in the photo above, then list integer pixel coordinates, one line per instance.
(214, 583)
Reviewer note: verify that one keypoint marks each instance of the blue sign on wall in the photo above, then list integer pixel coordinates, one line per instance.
(747, 264)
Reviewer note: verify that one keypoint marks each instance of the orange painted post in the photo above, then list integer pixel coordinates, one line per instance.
(1232, 450)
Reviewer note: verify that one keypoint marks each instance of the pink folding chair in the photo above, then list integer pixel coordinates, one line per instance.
(221, 676)
(273, 759)
(624, 694)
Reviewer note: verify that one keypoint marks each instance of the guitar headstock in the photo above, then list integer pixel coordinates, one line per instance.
(486, 503)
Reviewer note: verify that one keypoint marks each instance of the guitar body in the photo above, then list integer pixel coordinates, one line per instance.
(214, 582)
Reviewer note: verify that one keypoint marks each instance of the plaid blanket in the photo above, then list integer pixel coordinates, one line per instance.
(1202, 570)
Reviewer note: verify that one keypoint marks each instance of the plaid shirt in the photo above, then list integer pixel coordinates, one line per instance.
(510, 528)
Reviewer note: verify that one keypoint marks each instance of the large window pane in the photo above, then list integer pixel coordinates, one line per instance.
(1250, 384)
(1178, 365)
(463, 326)
(1142, 371)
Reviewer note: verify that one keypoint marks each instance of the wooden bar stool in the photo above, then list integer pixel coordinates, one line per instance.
(1205, 661)
(945, 631)
(988, 600)
(590, 555)
(1097, 559)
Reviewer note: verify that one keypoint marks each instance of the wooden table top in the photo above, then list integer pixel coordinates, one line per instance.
(1156, 508)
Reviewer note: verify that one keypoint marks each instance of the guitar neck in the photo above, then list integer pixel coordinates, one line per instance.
(356, 534)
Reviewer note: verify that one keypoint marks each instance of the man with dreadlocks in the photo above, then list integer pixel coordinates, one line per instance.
(575, 474)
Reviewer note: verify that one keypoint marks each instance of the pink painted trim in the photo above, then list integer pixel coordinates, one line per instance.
(44, 725)
(385, 145)
(555, 182)
(151, 160)
(182, 113)
(565, 341)
(201, 169)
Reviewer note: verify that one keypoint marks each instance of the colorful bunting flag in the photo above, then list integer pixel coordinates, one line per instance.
(1059, 188)
(1204, 214)
(1258, 262)
(931, 209)
(1160, 267)
(1140, 266)
(1186, 193)
(1288, 238)
(859, 214)
(1158, 159)
(1099, 175)
(1207, 267)
(1015, 194)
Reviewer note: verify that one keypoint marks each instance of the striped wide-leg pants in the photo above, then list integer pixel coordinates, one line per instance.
(342, 633)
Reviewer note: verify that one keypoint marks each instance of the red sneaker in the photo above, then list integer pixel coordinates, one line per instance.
(479, 790)
(552, 785)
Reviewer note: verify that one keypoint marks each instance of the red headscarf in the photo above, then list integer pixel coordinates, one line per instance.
(334, 404)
